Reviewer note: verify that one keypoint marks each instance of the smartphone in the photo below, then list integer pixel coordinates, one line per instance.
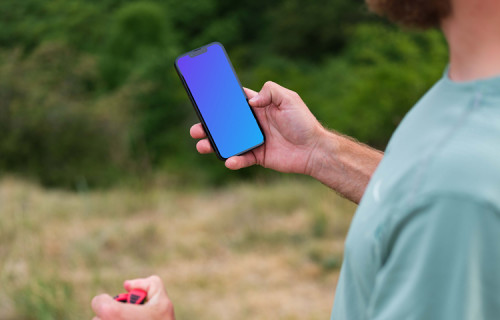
(219, 100)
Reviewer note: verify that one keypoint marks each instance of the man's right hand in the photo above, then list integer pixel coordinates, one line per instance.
(291, 130)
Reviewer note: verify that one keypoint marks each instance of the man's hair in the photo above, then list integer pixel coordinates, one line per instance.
(421, 14)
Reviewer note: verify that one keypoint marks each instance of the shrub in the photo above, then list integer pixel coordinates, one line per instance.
(53, 128)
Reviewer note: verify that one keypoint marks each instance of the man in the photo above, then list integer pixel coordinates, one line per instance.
(425, 240)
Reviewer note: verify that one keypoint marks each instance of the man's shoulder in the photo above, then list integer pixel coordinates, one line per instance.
(467, 165)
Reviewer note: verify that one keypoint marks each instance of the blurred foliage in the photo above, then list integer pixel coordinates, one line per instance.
(53, 128)
(88, 94)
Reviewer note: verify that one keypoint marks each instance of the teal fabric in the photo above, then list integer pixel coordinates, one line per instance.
(425, 240)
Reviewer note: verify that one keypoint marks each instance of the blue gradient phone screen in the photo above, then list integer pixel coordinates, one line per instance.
(220, 100)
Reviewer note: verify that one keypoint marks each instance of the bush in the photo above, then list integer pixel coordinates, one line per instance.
(88, 93)
(53, 128)
(366, 91)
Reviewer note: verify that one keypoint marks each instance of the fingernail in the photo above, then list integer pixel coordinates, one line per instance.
(254, 99)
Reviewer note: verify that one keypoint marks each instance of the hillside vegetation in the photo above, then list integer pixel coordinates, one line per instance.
(89, 96)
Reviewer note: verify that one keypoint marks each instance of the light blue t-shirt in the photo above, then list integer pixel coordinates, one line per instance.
(425, 240)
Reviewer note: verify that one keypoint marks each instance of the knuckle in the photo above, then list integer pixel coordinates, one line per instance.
(166, 306)
(294, 94)
(269, 84)
(155, 279)
(96, 303)
(108, 311)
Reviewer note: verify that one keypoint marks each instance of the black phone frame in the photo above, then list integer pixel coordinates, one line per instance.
(194, 53)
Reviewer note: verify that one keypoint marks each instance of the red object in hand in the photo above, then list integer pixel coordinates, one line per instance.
(135, 296)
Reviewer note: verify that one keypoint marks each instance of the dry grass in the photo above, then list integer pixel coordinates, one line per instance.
(249, 251)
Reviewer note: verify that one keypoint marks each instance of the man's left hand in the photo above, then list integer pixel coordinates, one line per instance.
(158, 305)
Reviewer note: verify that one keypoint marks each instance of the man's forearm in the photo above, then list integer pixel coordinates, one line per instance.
(344, 165)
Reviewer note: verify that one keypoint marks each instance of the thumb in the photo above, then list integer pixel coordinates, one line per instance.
(152, 285)
(271, 93)
(106, 308)
(158, 305)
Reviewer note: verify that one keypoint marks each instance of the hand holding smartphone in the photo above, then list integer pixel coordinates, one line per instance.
(219, 100)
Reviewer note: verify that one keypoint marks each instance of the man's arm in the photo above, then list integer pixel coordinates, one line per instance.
(296, 142)
(344, 164)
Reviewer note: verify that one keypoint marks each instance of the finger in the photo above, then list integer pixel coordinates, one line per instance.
(96, 318)
(204, 146)
(152, 285)
(243, 161)
(96, 302)
(106, 308)
(197, 131)
(271, 93)
(250, 93)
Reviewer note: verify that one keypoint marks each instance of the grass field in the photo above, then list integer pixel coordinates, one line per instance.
(245, 251)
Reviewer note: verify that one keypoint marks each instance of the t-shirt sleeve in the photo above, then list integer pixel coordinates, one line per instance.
(443, 263)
